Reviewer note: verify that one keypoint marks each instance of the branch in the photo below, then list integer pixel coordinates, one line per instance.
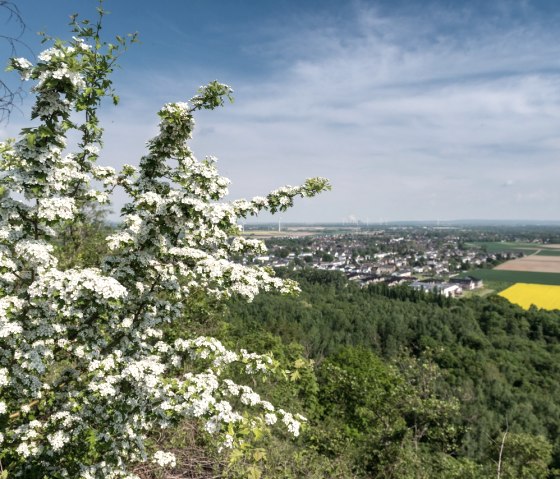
(8, 94)
(502, 450)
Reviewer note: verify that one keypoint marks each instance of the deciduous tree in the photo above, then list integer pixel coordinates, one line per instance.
(86, 369)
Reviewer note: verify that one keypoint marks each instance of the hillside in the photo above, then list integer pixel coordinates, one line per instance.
(498, 364)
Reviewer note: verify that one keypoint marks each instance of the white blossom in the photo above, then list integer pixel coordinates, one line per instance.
(4, 377)
(86, 347)
(56, 208)
(164, 459)
(270, 418)
(36, 252)
(22, 63)
(58, 439)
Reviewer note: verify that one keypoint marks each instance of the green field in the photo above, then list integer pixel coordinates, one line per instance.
(503, 247)
(548, 252)
(516, 276)
(490, 286)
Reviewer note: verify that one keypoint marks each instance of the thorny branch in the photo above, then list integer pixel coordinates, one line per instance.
(10, 94)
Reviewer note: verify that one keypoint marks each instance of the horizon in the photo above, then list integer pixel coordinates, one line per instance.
(416, 111)
(466, 222)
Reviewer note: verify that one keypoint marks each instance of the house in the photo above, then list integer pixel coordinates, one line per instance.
(386, 269)
(467, 282)
(403, 273)
(446, 289)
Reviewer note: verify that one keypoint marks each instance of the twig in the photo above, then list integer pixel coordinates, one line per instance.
(502, 450)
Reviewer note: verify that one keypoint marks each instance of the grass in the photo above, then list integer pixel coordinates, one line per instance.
(482, 292)
(490, 287)
(503, 276)
(548, 252)
(497, 286)
(516, 247)
(503, 247)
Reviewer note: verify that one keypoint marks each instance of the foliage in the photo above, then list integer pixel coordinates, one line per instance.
(526, 457)
(88, 367)
(494, 362)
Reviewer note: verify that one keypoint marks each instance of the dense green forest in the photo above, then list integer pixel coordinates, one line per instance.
(412, 385)
(394, 383)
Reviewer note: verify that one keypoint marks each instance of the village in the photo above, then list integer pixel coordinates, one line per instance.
(428, 259)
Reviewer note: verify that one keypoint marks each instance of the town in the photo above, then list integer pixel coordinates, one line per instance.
(435, 259)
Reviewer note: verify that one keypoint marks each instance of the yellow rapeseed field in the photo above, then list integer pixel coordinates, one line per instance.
(541, 295)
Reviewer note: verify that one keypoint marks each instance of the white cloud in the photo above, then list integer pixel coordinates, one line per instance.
(409, 119)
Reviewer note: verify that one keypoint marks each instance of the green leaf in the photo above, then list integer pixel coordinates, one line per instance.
(30, 137)
(299, 363)
(254, 473)
(235, 456)
(259, 455)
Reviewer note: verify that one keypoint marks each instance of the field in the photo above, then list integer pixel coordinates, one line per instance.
(516, 276)
(266, 234)
(525, 295)
(515, 247)
(292, 231)
(533, 263)
(548, 252)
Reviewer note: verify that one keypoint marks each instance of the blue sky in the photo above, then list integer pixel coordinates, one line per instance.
(414, 110)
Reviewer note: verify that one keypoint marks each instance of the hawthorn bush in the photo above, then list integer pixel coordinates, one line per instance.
(86, 368)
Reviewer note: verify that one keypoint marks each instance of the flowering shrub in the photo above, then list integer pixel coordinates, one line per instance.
(86, 371)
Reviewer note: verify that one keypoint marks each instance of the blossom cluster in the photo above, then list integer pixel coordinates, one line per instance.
(86, 369)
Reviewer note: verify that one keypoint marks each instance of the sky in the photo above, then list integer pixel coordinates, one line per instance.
(432, 110)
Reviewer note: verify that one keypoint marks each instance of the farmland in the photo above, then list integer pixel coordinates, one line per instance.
(516, 276)
(516, 247)
(533, 263)
(548, 252)
(503, 247)
(525, 295)
(267, 234)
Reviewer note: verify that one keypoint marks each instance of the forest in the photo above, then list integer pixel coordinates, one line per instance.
(404, 384)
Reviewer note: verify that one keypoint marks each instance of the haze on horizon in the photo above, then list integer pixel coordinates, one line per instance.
(414, 110)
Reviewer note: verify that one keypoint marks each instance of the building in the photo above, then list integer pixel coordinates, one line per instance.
(445, 289)
(467, 282)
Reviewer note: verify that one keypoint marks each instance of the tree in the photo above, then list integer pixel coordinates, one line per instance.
(390, 421)
(86, 367)
(524, 456)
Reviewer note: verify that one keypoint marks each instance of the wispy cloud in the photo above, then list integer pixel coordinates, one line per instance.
(390, 111)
